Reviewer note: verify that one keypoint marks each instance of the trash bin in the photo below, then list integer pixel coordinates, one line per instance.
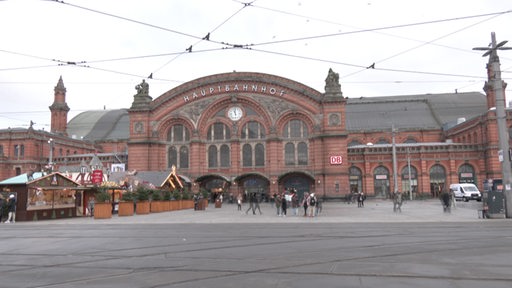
(494, 201)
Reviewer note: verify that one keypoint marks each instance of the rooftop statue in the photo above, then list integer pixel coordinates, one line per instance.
(142, 88)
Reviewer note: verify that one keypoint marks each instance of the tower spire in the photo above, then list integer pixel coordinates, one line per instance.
(59, 109)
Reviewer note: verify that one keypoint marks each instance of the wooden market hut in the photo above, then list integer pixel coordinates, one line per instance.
(172, 181)
(44, 196)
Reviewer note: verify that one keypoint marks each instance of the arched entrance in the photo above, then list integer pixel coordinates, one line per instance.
(254, 183)
(381, 182)
(437, 180)
(215, 185)
(302, 182)
(356, 179)
(409, 185)
(467, 174)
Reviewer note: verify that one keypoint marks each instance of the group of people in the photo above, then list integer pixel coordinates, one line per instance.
(254, 203)
(356, 196)
(10, 205)
(290, 199)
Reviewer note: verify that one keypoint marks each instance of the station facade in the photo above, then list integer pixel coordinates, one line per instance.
(244, 132)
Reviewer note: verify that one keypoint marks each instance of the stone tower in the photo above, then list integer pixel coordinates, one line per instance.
(59, 109)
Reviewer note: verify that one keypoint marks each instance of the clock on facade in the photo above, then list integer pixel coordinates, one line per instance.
(235, 113)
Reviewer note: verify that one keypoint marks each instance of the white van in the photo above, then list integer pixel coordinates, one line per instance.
(466, 192)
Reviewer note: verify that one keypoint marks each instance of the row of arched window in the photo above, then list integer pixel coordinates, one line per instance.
(252, 139)
(380, 141)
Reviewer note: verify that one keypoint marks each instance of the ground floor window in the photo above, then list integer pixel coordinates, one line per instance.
(40, 199)
(381, 182)
(355, 178)
(437, 180)
(467, 174)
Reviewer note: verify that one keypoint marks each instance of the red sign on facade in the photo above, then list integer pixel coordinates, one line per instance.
(97, 177)
(336, 160)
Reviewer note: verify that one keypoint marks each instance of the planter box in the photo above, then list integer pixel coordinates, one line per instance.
(157, 206)
(175, 205)
(142, 208)
(166, 205)
(102, 210)
(187, 204)
(126, 209)
(202, 204)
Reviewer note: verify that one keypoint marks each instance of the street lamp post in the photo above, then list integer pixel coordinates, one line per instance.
(50, 158)
(501, 117)
(395, 180)
(83, 171)
(410, 174)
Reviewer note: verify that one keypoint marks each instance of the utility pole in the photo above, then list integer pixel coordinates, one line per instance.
(395, 180)
(501, 117)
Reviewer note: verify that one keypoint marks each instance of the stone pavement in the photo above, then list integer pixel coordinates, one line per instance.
(345, 246)
(375, 210)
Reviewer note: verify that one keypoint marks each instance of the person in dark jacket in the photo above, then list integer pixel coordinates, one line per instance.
(11, 208)
(1, 207)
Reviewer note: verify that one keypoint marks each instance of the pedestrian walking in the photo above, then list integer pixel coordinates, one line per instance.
(295, 203)
(239, 201)
(251, 204)
(91, 206)
(284, 205)
(278, 201)
(2, 202)
(305, 203)
(445, 201)
(311, 204)
(257, 203)
(397, 202)
(11, 209)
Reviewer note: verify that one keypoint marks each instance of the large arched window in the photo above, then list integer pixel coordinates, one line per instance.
(295, 133)
(218, 132)
(178, 137)
(381, 182)
(253, 151)
(178, 133)
(437, 180)
(212, 156)
(252, 130)
(218, 150)
(409, 180)
(259, 154)
(356, 179)
(247, 155)
(467, 174)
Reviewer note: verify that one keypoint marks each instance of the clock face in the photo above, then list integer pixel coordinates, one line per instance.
(235, 113)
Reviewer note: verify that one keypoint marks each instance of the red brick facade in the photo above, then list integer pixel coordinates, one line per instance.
(290, 136)
(273, 102)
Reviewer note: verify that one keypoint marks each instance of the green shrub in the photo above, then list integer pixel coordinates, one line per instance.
(102, 195)
(167, 195)
(142, 194)
(176, 194)
(156, 195)
(128, 196)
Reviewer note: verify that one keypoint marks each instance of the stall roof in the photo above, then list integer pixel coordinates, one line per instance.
(22, 178)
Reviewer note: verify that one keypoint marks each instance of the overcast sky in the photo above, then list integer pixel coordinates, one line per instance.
(104, 48)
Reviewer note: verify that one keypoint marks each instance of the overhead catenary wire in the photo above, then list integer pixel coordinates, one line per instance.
(228, 45)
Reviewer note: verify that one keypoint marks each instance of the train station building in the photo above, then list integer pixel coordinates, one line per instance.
(246, 132)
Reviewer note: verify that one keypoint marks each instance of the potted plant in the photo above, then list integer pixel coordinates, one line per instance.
(176, 197)
(102, 206)
(126, 206)
(156, 201)
(167, 200)
(187, 202)
(143, 206)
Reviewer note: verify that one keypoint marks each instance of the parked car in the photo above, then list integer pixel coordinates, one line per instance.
(466, 192)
